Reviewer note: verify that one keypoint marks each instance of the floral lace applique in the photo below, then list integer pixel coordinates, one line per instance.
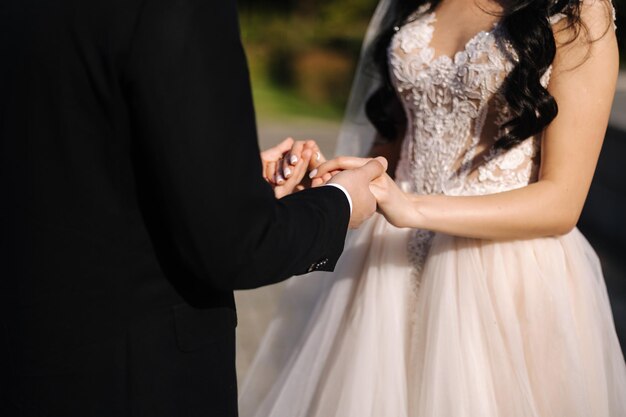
(456, 109)
(447, 100)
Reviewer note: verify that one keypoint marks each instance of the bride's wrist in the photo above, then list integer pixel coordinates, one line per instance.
(417, 217)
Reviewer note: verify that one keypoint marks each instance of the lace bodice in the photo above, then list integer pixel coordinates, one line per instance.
(455, 109)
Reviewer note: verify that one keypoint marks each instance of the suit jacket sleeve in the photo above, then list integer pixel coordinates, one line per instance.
(197, 158)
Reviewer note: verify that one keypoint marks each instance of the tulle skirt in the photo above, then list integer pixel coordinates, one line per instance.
(487, 328)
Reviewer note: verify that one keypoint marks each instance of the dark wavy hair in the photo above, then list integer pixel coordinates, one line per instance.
(531, 35)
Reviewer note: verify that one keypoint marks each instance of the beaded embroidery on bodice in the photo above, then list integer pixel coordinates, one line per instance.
(455, 107)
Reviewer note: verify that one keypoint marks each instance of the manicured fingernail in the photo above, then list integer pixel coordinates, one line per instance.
(279, 179)
(287, 172)
(293, 160)
(318, 155)
(313, 173)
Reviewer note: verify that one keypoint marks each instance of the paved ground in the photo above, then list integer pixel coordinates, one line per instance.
(256, 307)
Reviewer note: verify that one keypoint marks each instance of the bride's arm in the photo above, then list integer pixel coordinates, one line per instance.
(583, 83)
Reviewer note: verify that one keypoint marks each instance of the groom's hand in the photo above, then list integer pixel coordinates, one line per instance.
(357, 183)
(325, 172)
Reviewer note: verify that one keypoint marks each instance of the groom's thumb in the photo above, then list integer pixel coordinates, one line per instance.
(374, 168)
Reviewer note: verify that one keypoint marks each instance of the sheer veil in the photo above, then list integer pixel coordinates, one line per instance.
(357, 133)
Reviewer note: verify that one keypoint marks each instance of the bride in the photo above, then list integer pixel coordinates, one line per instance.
(472, 294)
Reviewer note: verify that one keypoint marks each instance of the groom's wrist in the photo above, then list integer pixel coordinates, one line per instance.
(343, 189)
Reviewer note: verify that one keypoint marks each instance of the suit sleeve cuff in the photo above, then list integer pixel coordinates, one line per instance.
(343, 189)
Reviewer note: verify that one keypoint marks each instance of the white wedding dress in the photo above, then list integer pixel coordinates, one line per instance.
(421, 324)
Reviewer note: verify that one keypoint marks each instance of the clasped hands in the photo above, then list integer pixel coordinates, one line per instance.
(296, 165)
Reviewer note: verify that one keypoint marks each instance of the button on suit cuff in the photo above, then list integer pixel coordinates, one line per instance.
(342, 188)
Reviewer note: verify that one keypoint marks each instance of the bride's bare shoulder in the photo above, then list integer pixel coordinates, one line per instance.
(585, 23)
(584, 33)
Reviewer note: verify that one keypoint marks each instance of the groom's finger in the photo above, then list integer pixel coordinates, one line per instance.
(316, 182)
(374, 168)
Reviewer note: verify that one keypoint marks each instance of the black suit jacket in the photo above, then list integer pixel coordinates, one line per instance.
(131, 207)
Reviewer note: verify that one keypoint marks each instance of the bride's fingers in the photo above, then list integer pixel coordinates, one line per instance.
(292, 157)
(287, 167)
(318, 158)
(269, 172)
(279, 177)
(284, 146)
(276, 152)
(316, 182)
(339, 164)
(299, 171)
(312, 146)
(295, 153)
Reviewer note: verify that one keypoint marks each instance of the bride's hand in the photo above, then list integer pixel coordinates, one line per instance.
(295, 154)
(393, 203)
(285, 169)
(324, 172)
(272, 157)
(292, 158)
(279, 162)
(298, 173)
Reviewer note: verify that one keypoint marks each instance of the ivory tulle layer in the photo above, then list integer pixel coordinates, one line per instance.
(492, 329)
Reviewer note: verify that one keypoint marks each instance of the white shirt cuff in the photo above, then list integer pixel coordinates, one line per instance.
(341, 187)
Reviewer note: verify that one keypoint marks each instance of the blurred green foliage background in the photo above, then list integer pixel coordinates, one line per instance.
(303, 53)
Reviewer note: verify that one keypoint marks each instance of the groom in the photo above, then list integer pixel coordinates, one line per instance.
(124, 228)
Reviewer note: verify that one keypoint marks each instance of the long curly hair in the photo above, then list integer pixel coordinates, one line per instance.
(531, 35)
